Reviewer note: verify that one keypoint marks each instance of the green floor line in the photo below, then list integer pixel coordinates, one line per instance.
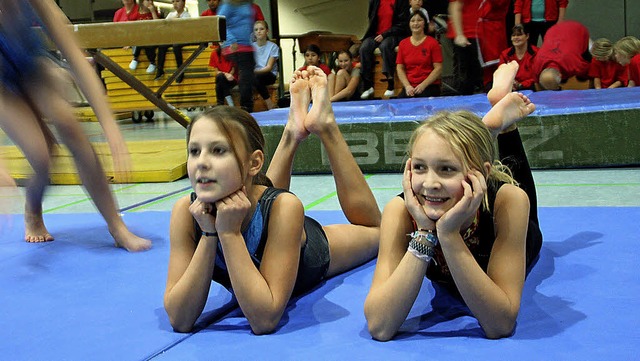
(329, 196)
(588, 185)
(147, 205)
(65, 205)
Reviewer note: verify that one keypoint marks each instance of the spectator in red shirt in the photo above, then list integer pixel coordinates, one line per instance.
(130, 11)
(522, 52)
(563, 54)
(312, 57)
(604, 69)
(419, 61)
(627, 52)
(539, 16)
(226, 78)
(213, 8)
(388, 24)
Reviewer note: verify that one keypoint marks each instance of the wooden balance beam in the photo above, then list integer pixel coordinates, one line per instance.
(200, 31)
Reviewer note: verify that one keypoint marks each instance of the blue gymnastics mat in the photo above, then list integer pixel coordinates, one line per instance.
(78, 298)
(548, 103)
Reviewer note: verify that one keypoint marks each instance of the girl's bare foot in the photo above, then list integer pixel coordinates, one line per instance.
(507, 111)
(503, 79)
(125, 239)
(300, 99)
(321, 115)
(34, 228)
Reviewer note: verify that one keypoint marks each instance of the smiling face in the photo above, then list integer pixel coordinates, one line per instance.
(344, 61)
(416, 24)
(519, 39)
(436, 174)
(212, 164)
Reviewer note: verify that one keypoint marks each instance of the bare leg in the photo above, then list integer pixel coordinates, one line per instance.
(294, 132)
(56, 109)
(352, 244)
(21, 125)
(503, 116)
(503, 79)
(342, 79)
(331, 80)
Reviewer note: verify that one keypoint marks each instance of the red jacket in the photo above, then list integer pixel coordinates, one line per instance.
(563, 49)
(551, 9)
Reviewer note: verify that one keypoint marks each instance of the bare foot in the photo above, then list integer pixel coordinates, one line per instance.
(34, 229)
(507, 111)
(321, 114)
(125, 239)
(300, 99)
(503, 79)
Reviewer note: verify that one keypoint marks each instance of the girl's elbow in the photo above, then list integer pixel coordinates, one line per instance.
(180, 326)
(379, 332)
(500, 330)
(263, 327)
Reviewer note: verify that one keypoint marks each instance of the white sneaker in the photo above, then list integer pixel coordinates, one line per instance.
(151, 69)
(367, 93)
(389, 93)
(133, 65)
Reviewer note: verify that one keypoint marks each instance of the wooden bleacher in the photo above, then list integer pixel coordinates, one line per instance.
(135, 91)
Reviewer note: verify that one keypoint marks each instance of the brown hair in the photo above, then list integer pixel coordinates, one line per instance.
(233, 121)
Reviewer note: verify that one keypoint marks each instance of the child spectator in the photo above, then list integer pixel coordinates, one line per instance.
(312, 57)
(522, 52)
(343, 85)
(604, 69)
(419, 61)
(146, 11)
(226, 78)
(213, 8)
(179, 12)
(627, 52)
(266, 54)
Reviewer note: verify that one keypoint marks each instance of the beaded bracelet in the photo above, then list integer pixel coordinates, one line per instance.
(422, 244)
(210, 234)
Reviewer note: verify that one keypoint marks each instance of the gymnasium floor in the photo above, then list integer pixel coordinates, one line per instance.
(78, 298)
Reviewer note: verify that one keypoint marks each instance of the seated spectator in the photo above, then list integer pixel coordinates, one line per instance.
(226, 78)
(312, 57)
(522, 52)
(212, 8)
(604, 69)
(419, 61)
(130, 11)
(416, 5)
(147, 11)
(179, 12)
(266, 54)
(343, 84)
(563, 54)
(627, 53)
(388, 24)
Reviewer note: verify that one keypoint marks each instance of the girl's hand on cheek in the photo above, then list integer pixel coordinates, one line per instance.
(202, 212)
(474, 191)
(231, 212)
(412, 203)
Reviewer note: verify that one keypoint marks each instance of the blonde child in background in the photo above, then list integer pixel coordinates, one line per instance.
(627, 53)
(605, 71)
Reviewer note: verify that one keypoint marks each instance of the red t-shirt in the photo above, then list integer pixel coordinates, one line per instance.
(221, 63)
(257, 13)
(121, 14)
(634, 69)
(525, 75)
(385, 15)
(470, 15)
(208, 12)
(609, 72)
(418, 59)
(562, 49)
(324, 68)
